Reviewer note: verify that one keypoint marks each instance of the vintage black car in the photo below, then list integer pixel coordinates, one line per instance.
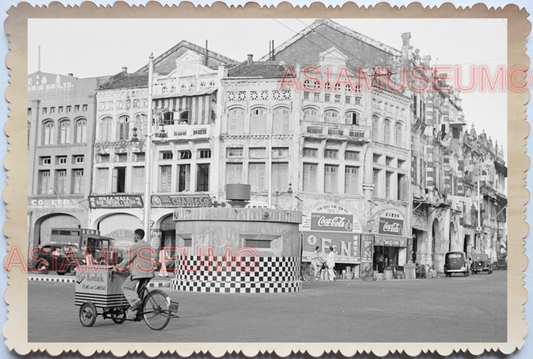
(455, 262)
(51, 257)
(481, 263)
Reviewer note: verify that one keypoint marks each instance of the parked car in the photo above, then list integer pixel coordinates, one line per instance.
(456, 262)
(76, 242)
(481, 263)
(50, 257)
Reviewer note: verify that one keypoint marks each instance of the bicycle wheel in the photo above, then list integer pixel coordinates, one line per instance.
(308, 273)
(87, 314)
(155, 310)
(329, 278)
(118, 316)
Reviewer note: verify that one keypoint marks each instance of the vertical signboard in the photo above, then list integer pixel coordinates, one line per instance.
(367, 254)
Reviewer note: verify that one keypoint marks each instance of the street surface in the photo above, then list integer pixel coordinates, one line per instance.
(457, 309)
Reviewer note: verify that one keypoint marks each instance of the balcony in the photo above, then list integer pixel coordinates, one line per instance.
(334, 130)
(187, 132)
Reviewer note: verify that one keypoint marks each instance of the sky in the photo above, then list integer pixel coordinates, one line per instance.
(99, 47)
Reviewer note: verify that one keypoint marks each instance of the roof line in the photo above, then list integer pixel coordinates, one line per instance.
(190, 46)
(336, 26)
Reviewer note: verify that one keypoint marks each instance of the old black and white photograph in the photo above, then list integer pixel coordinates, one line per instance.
(267, 180)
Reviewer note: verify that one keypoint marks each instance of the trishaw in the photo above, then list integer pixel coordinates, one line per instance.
(99, 292)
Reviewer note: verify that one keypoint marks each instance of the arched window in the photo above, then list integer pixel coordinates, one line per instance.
(331, 116)
(258, 121)
(141, 125)
(48, 133)
(81, 131)
(310, 114)
(352, 118)
(375, 128)
(399, 134)
(387, 132)
(64, 132)
(105, 129)
(337, 87)
(123, 128)
(281, 120)
(236, 121)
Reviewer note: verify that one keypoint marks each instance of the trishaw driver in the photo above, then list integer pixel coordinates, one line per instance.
(142, 268)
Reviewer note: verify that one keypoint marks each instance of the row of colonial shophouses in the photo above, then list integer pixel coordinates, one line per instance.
(375, 173)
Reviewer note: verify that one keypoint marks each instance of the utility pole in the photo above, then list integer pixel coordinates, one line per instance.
(148, 155)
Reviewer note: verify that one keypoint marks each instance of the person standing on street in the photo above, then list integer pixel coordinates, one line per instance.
(141, 267)
(316, 261)
(330, 262)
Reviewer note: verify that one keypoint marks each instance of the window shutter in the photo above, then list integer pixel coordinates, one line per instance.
(115, 180)
(102, 183)
(166, 177)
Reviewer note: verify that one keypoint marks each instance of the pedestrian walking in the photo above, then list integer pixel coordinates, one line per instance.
(330, 262)
(163, 271)
(316, 261)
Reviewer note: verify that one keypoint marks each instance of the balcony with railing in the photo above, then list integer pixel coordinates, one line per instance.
(336, 130)
(184, 132)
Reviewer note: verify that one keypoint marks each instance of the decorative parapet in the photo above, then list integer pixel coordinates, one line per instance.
(120, 146)
(255, 137)
(391, 147)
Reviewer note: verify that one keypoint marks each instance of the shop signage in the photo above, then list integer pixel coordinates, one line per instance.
(48, 203)
(331, 222)
(390, 226)
(181, 201)
(346, 244)
(116, 201)
(388, 241)
(331, 217)
(42, 83)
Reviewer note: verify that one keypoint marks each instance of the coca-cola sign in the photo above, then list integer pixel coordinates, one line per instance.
(331, 222)
(390, 226)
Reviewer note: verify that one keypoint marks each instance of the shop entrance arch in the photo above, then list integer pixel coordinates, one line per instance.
(43, 227)
(168, 232)
(120, 227)
(467, 246)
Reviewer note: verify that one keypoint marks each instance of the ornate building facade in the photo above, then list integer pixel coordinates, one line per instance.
(61, 115)
(377, 170)
(185, 84)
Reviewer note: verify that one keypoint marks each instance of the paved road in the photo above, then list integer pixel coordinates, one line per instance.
(458, 309)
